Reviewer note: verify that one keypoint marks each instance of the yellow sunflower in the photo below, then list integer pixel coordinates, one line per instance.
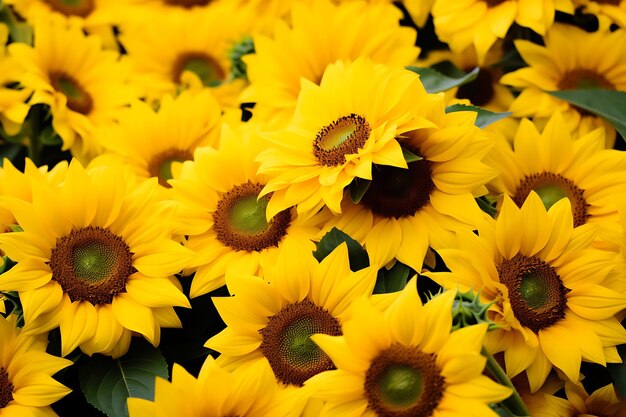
(340, 128)
(247, 392)
(404, 211)
(13, 110)
(84, 85)
(419, 10)
(320, 34)
(275, 320)
(26, 384)
(169, 53)
(556, 165)
(548, 286)
(405, 362)
(571, 58)
(482, 22)
(96, 259)
(224, 218)
(607, 11)
(153, 142)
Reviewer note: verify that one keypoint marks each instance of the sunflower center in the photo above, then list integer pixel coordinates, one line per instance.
(494, 3)
(287, 343)
(551, 188)
(403, 381)
(480, 91)
(536, 292)
(240, 219)
(613, 2)
(80, 8)
(208, 70)
(342, 137)
(398, 192)
(78, 99)
(187, 3)
(91, 264)
(161, 164)
(6, 388)
(584, 78)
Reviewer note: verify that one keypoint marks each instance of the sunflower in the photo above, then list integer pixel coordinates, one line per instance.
(248, 391)
(404, 211)
(547, 286)
(482, 22)
(169, 53)
(419, 10)
(96, 259)
(607, 11)
(84, 85)
(339, 130)
(320, 34)
(13, 110)
(571, 59)
(556, 165)
(26, 384)
(275, 320)
(224, 218)
(153, 142)
(405, 362)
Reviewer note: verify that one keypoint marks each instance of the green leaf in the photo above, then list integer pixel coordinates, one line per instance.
(358, 188)
(485, 205)
(410, 156)
(335, 237)
(392, 280)
(107, 383)
(435, 81)
(503, 411)
(618, 371)
(604, 103)
(484, 118)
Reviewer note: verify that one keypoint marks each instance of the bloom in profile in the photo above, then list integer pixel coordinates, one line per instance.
(247, 392)
(26, 384)
(551, 293)
(274, 316)
(96, 259)
(571, 59)
(320, 34)
(85, 85)
(340, 129)
(405, 362)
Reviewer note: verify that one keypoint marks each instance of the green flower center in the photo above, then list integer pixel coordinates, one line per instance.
(81, 8)
(78, 99)
(287, 343)
(536, 292)
(398, 192)
(403, 381)
(91, 264)
(6, 388)
(344, 136)
(240, 220)
(203, 65)
(551, 188)
(161, 164)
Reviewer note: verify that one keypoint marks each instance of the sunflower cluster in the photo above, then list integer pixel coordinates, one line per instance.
(313, 208)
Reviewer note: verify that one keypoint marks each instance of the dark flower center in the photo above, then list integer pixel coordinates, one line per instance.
(493, 3)
(78, 99)
(6, 388)
(81, 8)
(342, 137)
(287, 343)
(161, 164)
(480, 91)
(91, 264)
(584, 78)
(208, 70)
(403, 381)
(187, 3)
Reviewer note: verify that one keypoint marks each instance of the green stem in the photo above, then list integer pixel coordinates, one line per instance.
(35, 120)
(486, 206)
(514, 403)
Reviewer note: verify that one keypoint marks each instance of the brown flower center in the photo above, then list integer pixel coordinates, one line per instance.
(91, 264)
(398, 192)
(6, 388)
(403, 381)
(536, 292)
(287, 343)
(161, 164)
(493, 3)
(187, 3)
(584, 78)
(78, 99)
(80, 8)
(551, 188)
(480, 91)
(208, 70)
(342, 137)
(240, 220)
